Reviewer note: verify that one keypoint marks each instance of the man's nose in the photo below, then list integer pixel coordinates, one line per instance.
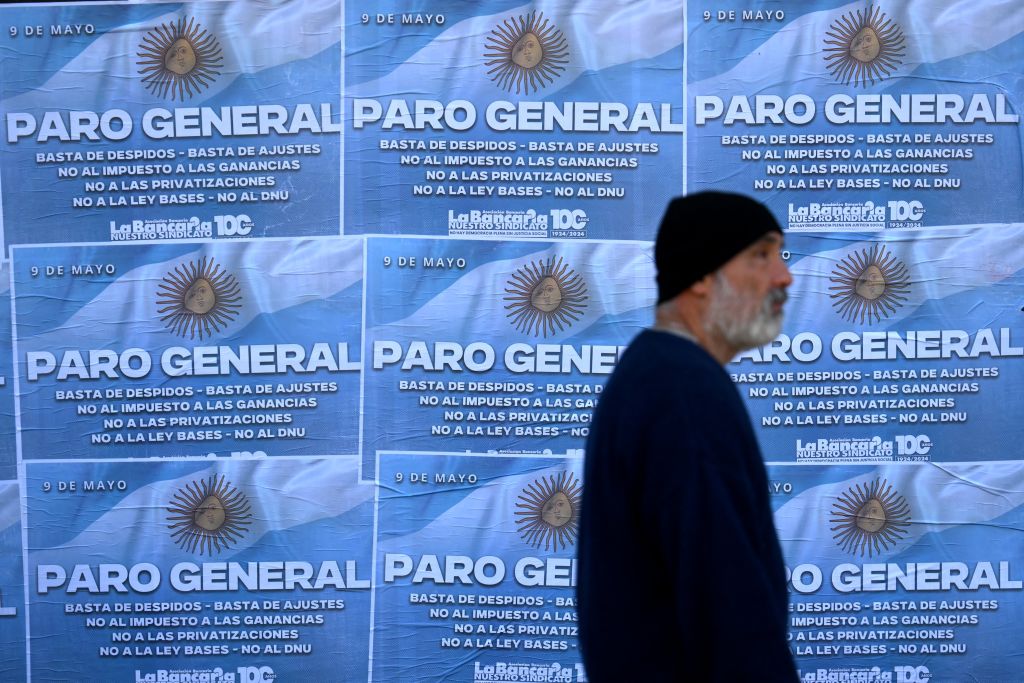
(783, 278)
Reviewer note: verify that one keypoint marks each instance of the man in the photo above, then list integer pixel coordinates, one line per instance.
(680, 573)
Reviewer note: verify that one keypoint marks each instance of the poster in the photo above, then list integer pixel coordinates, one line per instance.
(198, 567)
(189, 349)
(8, 435)
(859, 116)
(481, 345)
(12, 585)
(507, 121)
(893, 348)
(306, 307)
(476, 569)
(129, 122)
(903, 571)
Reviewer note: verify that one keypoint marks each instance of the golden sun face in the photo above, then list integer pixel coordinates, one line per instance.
(864, 46)
(545, 295)
(549, 511)
(869, 285)
(208, 516)
(198, 297)
(180, 59)
(557, 510)
(873, 517)
(526, 52)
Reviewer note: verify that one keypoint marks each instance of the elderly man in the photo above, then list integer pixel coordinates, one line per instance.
(680, 572)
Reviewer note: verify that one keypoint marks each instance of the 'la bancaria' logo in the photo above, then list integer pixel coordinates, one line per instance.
(544, 295)
(208, 516)
(870, 285)
(180, 58)
(865, 46)
(549, 511)
(526, 51)
(873, 517)
(198, 297)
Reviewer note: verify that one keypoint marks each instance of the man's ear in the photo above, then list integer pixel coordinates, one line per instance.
(703, 286)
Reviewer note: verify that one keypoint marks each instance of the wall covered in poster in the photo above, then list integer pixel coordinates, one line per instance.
(306, 307)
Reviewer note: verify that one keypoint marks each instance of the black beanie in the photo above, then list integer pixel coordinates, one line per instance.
(701, 232)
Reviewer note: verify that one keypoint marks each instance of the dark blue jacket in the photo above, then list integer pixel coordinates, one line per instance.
(680, 572)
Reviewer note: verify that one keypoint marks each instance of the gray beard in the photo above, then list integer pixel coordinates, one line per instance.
(735, 319)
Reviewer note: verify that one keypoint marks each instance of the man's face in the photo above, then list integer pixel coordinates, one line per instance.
(745, 308)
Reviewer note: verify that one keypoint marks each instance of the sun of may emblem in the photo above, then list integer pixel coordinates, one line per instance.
(549, 511)
(869, 285)
(198, 297)
(544, 295)
(180, 58)
(873, 517)
(864, 46)
(524, 52)
(208, 516)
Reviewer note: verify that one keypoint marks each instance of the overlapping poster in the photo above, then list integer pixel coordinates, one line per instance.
(199, 568)
(481, 345)
(12, 585)
(859, 116)
(351, 449)
(902, 572)
(8, 436)
(128, 122)
(555, 119)
(476, 574)
(902, 348)
(189, 349)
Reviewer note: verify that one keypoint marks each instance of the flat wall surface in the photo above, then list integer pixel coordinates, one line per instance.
(306, 307)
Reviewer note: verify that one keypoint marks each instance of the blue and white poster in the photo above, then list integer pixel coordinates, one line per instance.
(475, 568)
(494, 346)
(907, 347)
(859, 116)
(189, 349)
(201, 566)
(127, 122)
(306, 306)
(553, 119)
(8, 435)
(903, 572)
(12, 585)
